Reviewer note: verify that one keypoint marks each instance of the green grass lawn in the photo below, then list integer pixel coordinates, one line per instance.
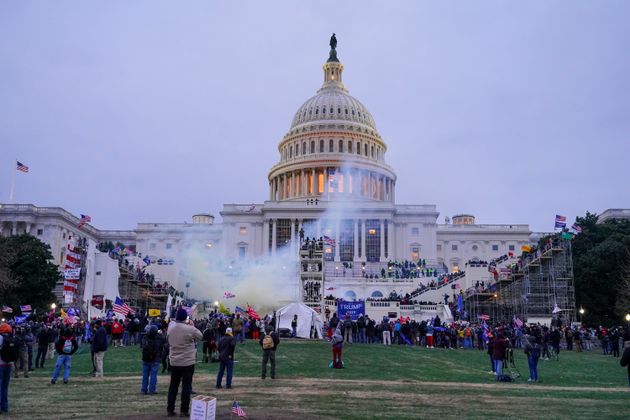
(395, 382)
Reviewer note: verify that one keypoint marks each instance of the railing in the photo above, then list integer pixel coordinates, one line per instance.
(416, 293)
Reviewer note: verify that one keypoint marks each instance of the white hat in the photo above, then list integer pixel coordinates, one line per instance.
(228, 330)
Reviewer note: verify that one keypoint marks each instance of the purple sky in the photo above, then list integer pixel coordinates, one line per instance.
(151, 111)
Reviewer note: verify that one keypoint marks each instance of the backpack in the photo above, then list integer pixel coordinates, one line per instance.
(149, 350)
(535, 352)
(505, 378)
(67, 346)
(9, 351)
(267, 342)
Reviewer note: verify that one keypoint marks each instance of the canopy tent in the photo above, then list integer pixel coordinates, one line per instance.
(307, 317)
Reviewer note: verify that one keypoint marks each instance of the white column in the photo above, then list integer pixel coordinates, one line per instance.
(355, 257)
(313, 183)
(337, 242)
(326, 182)
(304, 187)
(390, 240)
(284, 186)
(265, 238)
(28, 228)
(382, 237)
(273, 236)
(13, 228)
(370, 192)
(363, 233)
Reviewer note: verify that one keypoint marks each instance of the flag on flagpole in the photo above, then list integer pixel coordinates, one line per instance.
(561, 222)
(21, 167)
(329, 241)
(26, 308)
(251, 312)
(236, 409)
(576, 228)
(84, 219)
(121, 307)
(229, 295)
(7, 309)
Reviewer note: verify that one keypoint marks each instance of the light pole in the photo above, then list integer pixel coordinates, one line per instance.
(581, 314)
(53, 306)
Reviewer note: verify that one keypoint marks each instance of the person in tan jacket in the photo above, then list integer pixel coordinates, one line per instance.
(181, 339)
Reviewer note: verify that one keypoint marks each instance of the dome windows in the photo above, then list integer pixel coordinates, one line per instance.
(358, 148)
(316, 111)
(340, 146)
(338, 110)
(312, 146)
(324, 110)
(331, 146)
(321, 146)
(349, 146)
(303, 147)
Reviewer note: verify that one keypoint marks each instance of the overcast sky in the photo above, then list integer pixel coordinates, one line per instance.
(150, 111)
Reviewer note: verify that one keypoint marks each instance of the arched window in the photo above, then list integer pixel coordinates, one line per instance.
(316, 111)
(377, 294)
(313, 146)
(340, 146)
(297, 149)
(358, 148)
(346, 111)
(331, 146)
(303, 147)
(349, 146)
(372, 150)
(290, 152)
(331, 110)
(338, 110)
(321, 146)
(350, 295)
(365, 149)
(324, 110)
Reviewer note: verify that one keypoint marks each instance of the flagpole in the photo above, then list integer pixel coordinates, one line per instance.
(12, 191)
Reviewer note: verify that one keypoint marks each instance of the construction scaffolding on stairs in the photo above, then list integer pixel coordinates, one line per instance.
(539, 288)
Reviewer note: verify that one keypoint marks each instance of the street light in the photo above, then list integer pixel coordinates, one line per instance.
(628, 317)
(53, 306)
(581, 314)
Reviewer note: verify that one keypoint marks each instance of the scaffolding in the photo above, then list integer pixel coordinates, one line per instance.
(538, 288)
(312, 274)
(542, 288)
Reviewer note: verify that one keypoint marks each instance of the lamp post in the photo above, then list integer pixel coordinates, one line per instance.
(581, 315)
(53, 306)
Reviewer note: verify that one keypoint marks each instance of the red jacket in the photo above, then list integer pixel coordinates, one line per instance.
(117, 328)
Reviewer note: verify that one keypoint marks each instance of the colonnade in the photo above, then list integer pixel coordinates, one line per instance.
(315, 182)
(360, 233)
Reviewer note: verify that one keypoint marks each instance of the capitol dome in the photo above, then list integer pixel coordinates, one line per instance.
(332, 148)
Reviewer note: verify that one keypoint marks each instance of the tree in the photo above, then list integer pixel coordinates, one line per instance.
(601, 257)
(27, 275)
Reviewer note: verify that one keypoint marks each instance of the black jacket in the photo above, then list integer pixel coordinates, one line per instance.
(274, 337)
(62, 341)
(227, 344)
(99, 342)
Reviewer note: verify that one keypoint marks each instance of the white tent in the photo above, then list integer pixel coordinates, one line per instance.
(101, 279)
(307, 317)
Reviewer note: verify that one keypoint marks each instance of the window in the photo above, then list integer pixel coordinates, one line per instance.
(312, 146)
(242, 251)
(415, 254)
(358, 148)
(331, 146)
(338, 110)
(242, 230)
(453, 247)
(40, 232)
(321, 146)
(64, 235)
(415, 231)
(290, 151)
(323, 110)
(365, 149)
(303, 147)
(346, 111)
(455, 268)
(511, 247)
(349, 146)
(475, 247)
(495, 247)
(372, 151)
(317, 111)
(340, 146)
(169, 246)
(297, 149)
(439, 248)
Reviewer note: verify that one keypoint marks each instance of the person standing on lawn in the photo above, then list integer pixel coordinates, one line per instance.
(42, 346)
(182, 355)
(8, 356)
(66, 346)
(99, 347)
(532, 350)
(227, 344)
(625, 359)
(269, 343)
(152, 345)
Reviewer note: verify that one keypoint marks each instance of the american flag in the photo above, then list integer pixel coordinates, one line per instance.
(26, 308)
(329, 241)
(236, 409)
(229, 295)
(7, 309)
(84, 219)
(251, 312)
(21, 167)
(576, 228)
(121, 307)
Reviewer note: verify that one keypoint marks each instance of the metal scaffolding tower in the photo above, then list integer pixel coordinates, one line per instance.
(312, 274)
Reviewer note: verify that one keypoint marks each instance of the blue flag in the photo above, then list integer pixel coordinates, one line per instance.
(460, 303)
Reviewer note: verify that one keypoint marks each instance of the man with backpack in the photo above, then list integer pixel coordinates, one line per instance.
(66, 346)
(152, 344)
(269, 343)
(8, 355)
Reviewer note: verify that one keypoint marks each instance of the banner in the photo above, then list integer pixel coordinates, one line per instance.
(354, 309)
(72, 273)
(154, 312)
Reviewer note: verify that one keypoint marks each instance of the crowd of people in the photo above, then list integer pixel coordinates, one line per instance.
(174, 344)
